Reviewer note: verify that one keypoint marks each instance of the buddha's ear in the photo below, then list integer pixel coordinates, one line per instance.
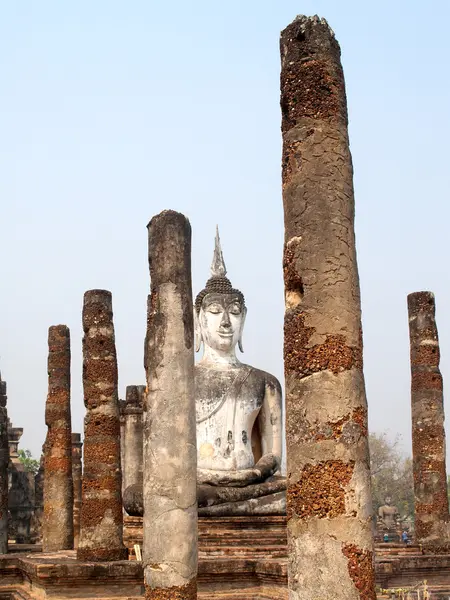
(240, 344)
(197, 332)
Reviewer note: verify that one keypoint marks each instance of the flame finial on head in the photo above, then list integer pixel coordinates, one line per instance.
(218, 282)
(218, 268)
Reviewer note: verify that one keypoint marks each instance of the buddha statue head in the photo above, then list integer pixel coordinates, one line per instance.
(220, 310)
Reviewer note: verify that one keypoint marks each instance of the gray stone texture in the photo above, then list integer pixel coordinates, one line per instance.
(21, 503)
(77, 472)
(4, 461)
(101, 517)
(428, 434)
(57, 525)
(170, 456)
(328, 497)
(133, 458)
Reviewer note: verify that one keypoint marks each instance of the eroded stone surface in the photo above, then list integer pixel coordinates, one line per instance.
(57, 525)
(101, 517)
(170, 460)
(428, 434)
(328, 497)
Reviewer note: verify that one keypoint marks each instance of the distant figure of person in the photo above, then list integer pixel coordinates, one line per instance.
(386, 537)
(405, 538)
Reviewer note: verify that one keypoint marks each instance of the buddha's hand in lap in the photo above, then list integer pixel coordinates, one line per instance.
(263, 469)
(239, 478)
(267, 465)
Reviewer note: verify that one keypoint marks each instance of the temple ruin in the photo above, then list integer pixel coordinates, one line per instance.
(177, 492)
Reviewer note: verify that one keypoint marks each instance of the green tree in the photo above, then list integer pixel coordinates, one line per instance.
(28, 461)
(391, 474)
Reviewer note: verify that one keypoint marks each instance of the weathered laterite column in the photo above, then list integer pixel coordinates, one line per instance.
(57, 525)
(170, 455)
(328, 497)
(101, 522)
(428, 434)
(77, 469)
(4, 460)
(133, 458)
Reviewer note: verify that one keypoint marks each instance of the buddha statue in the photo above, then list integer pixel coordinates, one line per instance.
(388, 516)
(238, 413)
(238, 409)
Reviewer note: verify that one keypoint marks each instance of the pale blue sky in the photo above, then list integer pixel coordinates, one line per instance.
(112, 111)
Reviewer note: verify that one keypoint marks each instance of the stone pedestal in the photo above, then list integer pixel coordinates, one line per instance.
(328, 496)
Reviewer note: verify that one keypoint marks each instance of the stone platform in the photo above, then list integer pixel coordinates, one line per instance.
(399, 566)
(243, 558)
(240, 558)
(59, 575)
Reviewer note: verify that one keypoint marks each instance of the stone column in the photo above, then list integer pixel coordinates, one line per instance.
(4, 461)
(133, 457)
(170, 455)
(328, 497)
(77, 444)
(428, 434)
(57, 525)
(101, 521)
(122, 440)
(38, 502)
(14, 435)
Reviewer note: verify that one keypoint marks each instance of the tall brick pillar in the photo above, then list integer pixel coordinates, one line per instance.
(77, 470)
(57, 524)
(328, 497)
(170, 453)
(101, 519)
(428, 434)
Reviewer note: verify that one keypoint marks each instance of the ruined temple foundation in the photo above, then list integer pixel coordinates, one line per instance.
(428, 433)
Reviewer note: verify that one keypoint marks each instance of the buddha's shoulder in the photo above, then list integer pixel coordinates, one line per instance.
(264, 377)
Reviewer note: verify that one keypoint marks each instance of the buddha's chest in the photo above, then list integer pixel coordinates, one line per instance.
(227, 404)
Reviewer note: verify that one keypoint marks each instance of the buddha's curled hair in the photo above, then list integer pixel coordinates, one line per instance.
(217, 285)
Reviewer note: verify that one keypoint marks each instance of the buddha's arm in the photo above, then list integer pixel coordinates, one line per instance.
(270, 428)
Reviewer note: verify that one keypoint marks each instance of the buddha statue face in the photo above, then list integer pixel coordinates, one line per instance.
(219, 311)
(221, 321)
